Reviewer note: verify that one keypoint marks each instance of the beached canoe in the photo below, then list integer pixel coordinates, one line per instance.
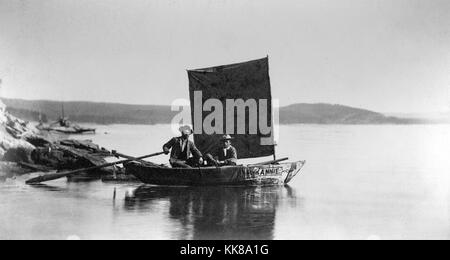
(278, 174)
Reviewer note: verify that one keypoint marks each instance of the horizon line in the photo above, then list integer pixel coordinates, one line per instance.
(386, 113)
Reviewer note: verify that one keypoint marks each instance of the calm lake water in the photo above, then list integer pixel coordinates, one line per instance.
(360, 182)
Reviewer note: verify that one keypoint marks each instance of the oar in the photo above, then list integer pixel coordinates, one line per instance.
(269, 162)
(115, 153)
(54, 176)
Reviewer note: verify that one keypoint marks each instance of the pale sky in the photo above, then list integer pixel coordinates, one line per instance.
(384, 55)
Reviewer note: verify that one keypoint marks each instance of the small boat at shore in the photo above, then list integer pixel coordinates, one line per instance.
(245, 81)
(277, 174)
(71, 130)
(64, 126)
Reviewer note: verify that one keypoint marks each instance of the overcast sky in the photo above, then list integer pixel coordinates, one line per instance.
(384, 55)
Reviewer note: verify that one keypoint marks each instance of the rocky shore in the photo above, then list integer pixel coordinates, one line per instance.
(24, 149)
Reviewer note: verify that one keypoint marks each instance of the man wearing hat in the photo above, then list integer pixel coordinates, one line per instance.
(224, 155)
(182, 149)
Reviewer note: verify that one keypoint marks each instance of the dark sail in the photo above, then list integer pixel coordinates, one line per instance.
(247, 81)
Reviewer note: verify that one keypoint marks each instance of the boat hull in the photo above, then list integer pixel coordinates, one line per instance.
(228, 175)
(68, 130)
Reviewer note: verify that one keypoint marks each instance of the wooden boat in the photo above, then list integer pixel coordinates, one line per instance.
(228, 175)
(247, 81)
(64, 126)
(71, 130)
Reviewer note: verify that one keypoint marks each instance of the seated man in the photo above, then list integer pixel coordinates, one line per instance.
(182, 148)
(224, 155)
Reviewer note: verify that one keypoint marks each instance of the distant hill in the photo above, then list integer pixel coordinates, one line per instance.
(100, 113)
(335, 114)
(29, 115)
(438, 117)
(111, 113)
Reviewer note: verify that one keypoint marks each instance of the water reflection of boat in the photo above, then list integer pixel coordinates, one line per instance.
(215, 212)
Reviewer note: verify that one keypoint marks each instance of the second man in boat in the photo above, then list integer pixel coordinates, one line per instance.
(226, 154)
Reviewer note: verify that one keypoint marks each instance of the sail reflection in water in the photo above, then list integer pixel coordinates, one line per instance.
(216, 212)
